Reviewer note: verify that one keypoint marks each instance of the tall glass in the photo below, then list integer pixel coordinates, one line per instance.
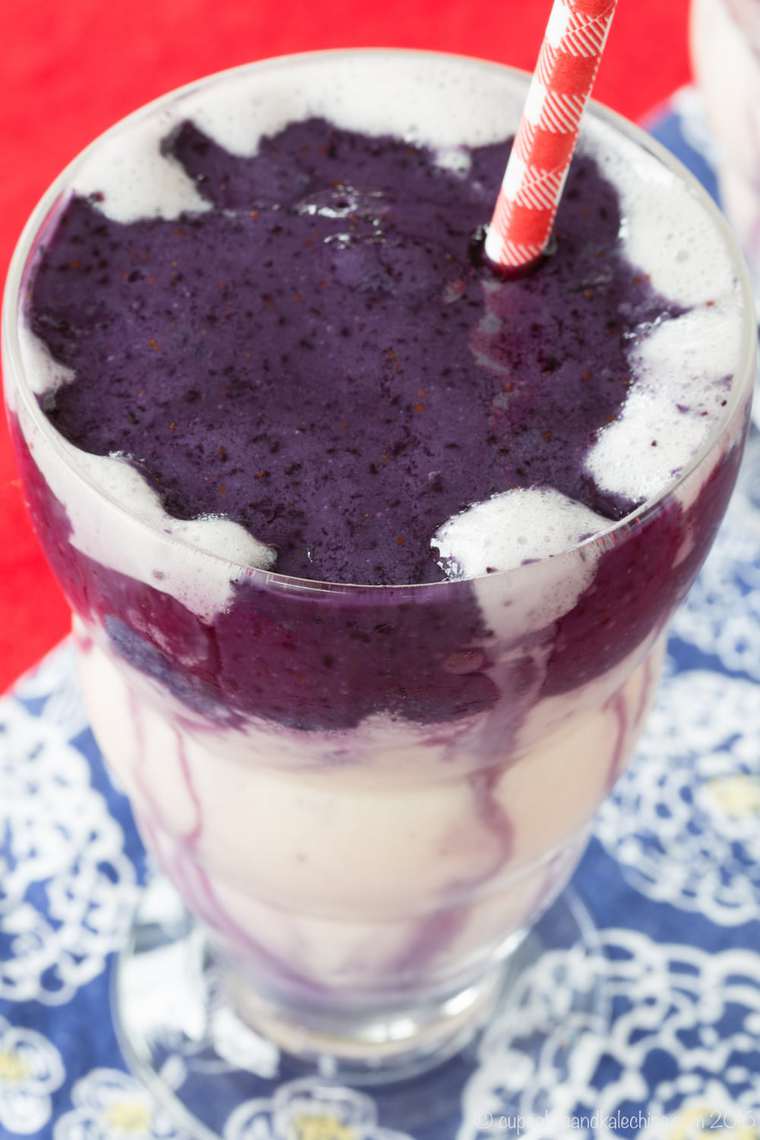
(365, 795)
(725, 50)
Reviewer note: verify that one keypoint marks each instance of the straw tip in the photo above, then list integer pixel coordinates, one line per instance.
(507, 260)
(492, 245)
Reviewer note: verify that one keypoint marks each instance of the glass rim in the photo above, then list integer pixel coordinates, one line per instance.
(24, 249)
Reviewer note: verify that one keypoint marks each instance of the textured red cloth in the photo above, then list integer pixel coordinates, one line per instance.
(71, 69)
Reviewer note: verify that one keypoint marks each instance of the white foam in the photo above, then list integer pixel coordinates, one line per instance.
(667, 231)
(454, 158)
(145, 550)
(512, 528)
(681, 370)
(136, 181)
(531, 532)
(44, 374)
(438, 101)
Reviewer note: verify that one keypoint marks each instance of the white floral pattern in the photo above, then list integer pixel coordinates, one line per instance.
(31, 1070)
(684, 821)
(700, 1010)
(309, 1107)
(54, 686)
(67, 890)
(110, 1105)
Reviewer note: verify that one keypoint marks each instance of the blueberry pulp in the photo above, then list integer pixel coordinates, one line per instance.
(317, 357)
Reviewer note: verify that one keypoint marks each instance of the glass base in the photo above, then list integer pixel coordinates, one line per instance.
(367, 1049)
(188, 1032)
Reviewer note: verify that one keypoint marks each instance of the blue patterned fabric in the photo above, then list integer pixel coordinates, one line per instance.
(671, 879)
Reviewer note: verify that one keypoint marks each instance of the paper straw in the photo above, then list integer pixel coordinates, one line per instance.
(540, 159)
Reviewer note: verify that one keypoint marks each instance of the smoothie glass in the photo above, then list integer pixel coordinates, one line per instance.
(364, 795)
(725, 50)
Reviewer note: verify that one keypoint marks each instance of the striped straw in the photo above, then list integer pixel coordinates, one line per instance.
(540, 159)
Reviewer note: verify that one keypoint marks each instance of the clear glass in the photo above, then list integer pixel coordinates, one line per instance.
(725, 49)
(365, 795)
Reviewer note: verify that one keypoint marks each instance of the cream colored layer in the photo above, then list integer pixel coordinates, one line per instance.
(333, 868)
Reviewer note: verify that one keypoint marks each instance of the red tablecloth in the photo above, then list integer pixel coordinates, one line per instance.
(70, 69)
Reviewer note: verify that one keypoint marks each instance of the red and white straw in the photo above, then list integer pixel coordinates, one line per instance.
(540, 159)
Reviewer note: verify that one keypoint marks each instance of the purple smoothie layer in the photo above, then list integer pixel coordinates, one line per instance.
(321, 358)
(314, 357)
(328, 660)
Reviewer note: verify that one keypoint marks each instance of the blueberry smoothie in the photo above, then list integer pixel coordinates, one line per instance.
(370, 550)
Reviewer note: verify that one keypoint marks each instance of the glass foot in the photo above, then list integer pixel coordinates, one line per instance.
(188, 1036)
